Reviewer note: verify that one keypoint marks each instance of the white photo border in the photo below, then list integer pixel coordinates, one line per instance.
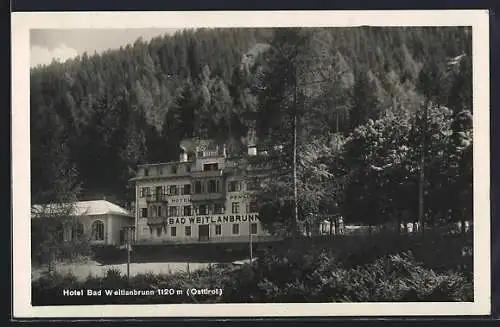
(21, 24)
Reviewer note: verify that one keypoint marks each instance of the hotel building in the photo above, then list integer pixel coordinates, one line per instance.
(205, 197)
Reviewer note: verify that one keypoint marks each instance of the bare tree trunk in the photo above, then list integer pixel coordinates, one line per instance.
(421, 186)
(295, 195)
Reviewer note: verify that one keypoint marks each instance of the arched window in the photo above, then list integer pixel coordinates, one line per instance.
(98, 230)
(77, 231)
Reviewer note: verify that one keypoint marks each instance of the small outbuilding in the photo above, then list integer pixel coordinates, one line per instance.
(104, 222)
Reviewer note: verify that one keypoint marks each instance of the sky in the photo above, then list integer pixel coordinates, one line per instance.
(63, 44)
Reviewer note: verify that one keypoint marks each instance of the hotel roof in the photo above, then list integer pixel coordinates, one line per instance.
(82, 208)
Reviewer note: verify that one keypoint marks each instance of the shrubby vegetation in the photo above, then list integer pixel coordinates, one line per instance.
(314, 274)
(55, 236)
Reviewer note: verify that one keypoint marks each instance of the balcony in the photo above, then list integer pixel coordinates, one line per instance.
(150, 198)
(157, 220)
(207, 196)
(206, 173)
(212, 153)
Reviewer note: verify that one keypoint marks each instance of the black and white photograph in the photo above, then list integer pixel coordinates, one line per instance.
(251, 164)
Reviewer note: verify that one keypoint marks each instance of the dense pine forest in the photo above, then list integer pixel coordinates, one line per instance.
(94, 118)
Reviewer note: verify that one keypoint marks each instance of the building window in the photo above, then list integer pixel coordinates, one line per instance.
(202, 209)
(187, 210)
(158, 231)
(77, 231)
(218, 229)
(146, 172)
(186, 189)
(172, 190)
(235, 207)
(187, 231)
(174, 169)
(188, 168)
(172, 211)
(253, 184)
(145, 191)
(59, 232)
(252, 206)
(236, 229)
(98, 230)
(200, 154)
(197, 187)
(210, 167)
(212, 186)
(218, 208)
(173, 231)
(160, 170)
(253, 228)
(144, 212)
(159, 211)
(122, 236)
(234, 186)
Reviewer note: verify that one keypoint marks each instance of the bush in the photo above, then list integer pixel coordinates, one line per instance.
(284, 275)
(391, 278)
(435, 251)
(48, 246)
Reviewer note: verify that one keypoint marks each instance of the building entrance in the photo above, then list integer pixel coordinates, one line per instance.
(203, 232)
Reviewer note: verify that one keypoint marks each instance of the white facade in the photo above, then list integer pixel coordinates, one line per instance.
(103, 222)
(199, 199)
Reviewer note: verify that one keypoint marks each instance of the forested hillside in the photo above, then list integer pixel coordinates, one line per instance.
(101, 115)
